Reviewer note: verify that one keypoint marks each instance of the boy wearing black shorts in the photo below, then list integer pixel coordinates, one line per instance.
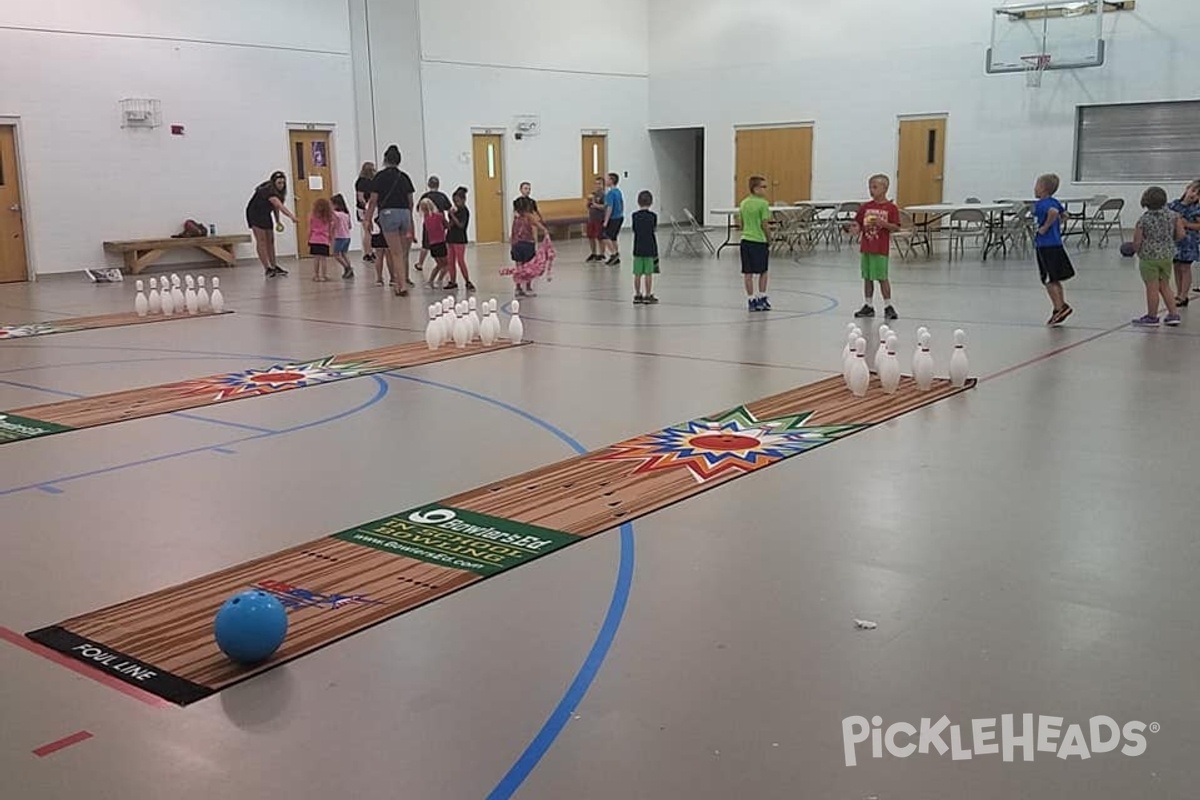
(755, 212)
(1054, 265)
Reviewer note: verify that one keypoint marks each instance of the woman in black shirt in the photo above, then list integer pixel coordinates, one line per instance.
(362, 188)
(262, 215)
(392, 195)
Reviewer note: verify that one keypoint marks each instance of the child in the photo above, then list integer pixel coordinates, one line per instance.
(456, 239)
(1054, 265)
(595, 223)
(379, 246)
(526, 223)
(320, 235)
(755, 213)
(341, 235)
(614, 217)
(1154, 240)
(441, 203)
(874, 223)
(1188, 248)
(645, 250)
(433, 233)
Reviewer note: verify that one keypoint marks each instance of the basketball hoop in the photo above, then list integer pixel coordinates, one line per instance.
(1035, 65)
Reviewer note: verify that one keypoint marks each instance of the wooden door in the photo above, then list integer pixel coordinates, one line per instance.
(594, 160)
(13, 266)
(486, 153)
(921, 162)
(312, 177)
(782, 155)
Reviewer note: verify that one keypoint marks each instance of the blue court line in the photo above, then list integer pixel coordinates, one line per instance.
(181, 414)
(561, 715)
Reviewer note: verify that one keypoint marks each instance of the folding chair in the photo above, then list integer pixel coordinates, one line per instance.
(700, 231)
(908, 238)
(966, 223)
(1107, 217)
(682, 235)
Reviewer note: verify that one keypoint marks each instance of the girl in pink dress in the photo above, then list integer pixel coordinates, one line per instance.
(530, 260)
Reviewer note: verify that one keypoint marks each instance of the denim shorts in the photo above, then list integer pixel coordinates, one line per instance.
(396, 219)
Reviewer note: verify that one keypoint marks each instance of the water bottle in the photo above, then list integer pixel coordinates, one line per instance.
(212, 229)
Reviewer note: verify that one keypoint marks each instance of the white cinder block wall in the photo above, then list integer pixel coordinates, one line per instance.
(853, 66)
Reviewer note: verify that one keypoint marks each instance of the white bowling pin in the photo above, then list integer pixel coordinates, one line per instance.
(923, 364)
(177, 298)
(189, 282)
(881, 351)
(140, 304)
(860, 374)
(433, 336)
(848, 354)
(889, 368)
(202, 296)
(154, 300)
(462, 328)
(516, 328)
(487, 333)
(448, 304)
(473, 316)
(168, 300)
(958, 360)
(218, 299)
(191, 301)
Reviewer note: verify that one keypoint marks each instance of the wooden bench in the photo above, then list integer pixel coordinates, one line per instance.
(141, 253)
(564, 214)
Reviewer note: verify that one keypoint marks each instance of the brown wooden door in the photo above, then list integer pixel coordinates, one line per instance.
(13, 266)
(486, 152)
(312, 177)
(782, 155)
(594, 160)
(921, 163)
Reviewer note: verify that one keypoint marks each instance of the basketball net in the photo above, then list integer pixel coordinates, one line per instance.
(1035, 65)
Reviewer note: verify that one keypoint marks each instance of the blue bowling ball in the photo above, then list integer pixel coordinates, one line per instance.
(250, 626)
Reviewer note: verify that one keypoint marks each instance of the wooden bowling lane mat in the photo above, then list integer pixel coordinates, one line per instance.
(348, 581)
(88, 412)
(73, 324)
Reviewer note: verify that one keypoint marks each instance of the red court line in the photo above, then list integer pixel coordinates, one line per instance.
(12, 637)
(1053, 353)
(66, 741)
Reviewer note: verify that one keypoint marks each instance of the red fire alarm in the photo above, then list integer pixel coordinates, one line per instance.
(177, 130)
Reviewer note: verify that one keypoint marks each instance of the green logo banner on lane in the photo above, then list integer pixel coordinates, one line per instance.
(14, 428)
(452, 537)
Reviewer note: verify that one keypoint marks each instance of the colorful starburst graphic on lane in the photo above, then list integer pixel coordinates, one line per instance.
(734, 442)
(278, 378)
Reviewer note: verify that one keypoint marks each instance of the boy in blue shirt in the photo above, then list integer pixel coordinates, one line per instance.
(614, 217)
(1054, 265)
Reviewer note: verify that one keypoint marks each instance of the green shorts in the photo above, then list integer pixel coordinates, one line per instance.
(643, 265)
(1155, 269)
(874, 267)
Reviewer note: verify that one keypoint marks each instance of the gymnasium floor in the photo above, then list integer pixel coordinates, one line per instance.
(1027, 547)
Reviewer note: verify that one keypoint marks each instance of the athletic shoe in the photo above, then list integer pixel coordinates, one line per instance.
(369, 258)
(865, 311)
(649, 299)
(1061, 314)
(450, 287)
(347, 273)
(753, 304)
(638, 300)
(764, 303)
(613, 261)
(1172, 320)
(1182, 302)
(593, 257)
(470, 286)
(279, 271)
(1146, 320)
(890, 314)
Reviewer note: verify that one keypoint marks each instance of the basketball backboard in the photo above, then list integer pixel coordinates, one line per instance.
(1069, 32)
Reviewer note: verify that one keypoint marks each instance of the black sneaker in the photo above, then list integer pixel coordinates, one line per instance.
(890, 314)
(865, 311)
(347, 273)
(280, 272)
(450, 286)
(614, 261)
(638, 300)
(470, 286)
(594, 257)
(649, 299)
(764, 303)
(369, 258)
(268, 272)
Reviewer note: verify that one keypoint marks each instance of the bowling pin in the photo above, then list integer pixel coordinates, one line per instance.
(154, 300)
(202, 296)
(889, 368)
(168, 300)
(881, 351)
(923, 364)
(189, 282)
(516, 328)
(140, 304)
(473, 315)
(848, 354)
(433, 336)
(177, 298)
(218, 299)
(860, 375)
(462, 328)
(487, 334)
(190, 300)
(958, 360)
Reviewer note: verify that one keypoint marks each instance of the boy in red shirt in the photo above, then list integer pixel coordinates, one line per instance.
(874, 223)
